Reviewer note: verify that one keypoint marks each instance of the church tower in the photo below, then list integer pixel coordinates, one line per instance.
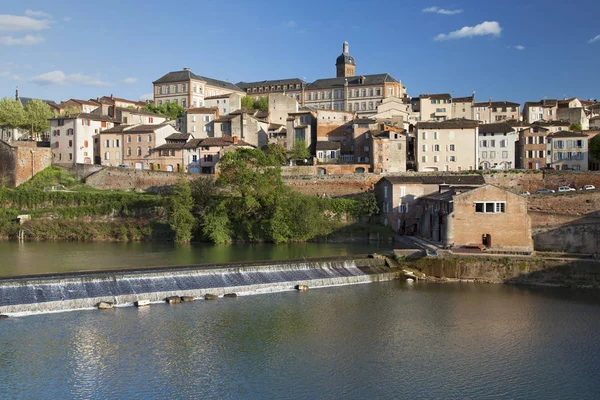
(345, 65)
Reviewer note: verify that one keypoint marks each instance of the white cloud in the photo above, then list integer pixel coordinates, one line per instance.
(442, 11)
(50, 78)
(520, 47)
(13, 23)
(129, 81)
(595, 39)
(67, 19)
(147, 96)
(37, 14)
(26, 41)
(60, 78)
(291, 24)
(485, 28)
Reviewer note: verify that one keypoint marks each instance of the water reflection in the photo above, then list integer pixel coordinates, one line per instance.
(48, 257)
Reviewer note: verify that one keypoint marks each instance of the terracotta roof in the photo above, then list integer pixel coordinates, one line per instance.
(496, 104)
(542, 122)
(169, 146)
(146, 128)
(500, 127)
(225, 118)
(223, 141)
(567, 134)
(436, 179)
(364, 121)
(468, 99)
(273, 126)
(457, 123)
(94, 117)
(439, 96)
(328, 145)
(88, 102)
(221, 96)
(116, 129)
(141, 112)
(192, 143)
(202, 110)
(178, 136)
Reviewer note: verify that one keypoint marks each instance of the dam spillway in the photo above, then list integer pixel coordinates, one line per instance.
(32, 295)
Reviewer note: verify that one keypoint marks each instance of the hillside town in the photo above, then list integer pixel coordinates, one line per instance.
(350, 124)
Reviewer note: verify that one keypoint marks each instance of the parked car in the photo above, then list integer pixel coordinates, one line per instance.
(562, 189)
(588, 187)
(122, 166)
(547, 168)
(524, 193)
(544, 191)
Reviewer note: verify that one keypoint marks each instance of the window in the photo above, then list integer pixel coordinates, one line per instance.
(435, 136)
(107, 155)
(129, 151)
(436, 158)
(424, 135)
(70, 143)
(484, 154)
(70, 156)
(194, 128)
(206, 118)
(149, 138)
(424, 148)
(150, 120)
(451, 147)
(490, 207)
(424, 158)
(139, 139)
(103, 124)
(436, 147)
(385, 192)
(139, 151)
(452, 158)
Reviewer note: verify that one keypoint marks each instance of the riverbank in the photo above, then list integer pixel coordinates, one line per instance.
(535, 271)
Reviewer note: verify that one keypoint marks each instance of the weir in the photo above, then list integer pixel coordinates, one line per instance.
(32, 295)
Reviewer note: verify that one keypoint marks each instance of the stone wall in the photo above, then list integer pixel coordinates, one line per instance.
(20, 161)
(134, 179)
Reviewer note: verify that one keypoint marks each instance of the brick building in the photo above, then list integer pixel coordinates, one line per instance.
(485, 217)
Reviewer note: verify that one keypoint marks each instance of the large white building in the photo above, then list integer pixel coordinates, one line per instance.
(497, 146)
(74, 139)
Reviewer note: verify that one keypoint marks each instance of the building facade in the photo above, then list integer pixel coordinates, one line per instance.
(496, 111)
(188, 89)
(447, 145)
(496, 146)
(569, 150)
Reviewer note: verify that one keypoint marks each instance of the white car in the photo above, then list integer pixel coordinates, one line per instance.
(524, 193)
(562, 189)
(588, 187)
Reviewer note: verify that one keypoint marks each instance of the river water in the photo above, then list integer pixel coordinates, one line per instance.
(49, 257)
(374, 341)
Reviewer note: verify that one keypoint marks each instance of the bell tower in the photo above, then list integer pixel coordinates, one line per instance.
(345, 65)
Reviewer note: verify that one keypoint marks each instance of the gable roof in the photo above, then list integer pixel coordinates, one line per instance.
(542, 122)
(438, 96)
(327, 145)
(474, 179)
(141, 112)
(468, 99)
(499, 127)
(567, 134)
(186, 75)
(496, 104)
(202, 110)
(367, 80)
(456, 123)
(145, 128)
(178, 136)
(26, 100)
(223, 142)
(93, 117)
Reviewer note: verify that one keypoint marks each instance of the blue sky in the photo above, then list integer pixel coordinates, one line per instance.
(508, 50)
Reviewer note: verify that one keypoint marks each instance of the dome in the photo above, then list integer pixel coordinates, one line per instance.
(345, 58)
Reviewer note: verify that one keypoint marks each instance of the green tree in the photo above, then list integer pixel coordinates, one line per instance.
(277, 153)
(37, 115)
(367, 204)
(247, 103)
(181, 219)
(300, 152)
(67, 111)
(204, 189)
(171, 110)
(251, 103)
(575, 126)
(594, 147)
(12, 114)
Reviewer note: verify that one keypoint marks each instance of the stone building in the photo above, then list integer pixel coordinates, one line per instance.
(301, 127)
(199, 121)
(532, 148)
(450, 145)
(188, 89)
(293, 88)
(568, 150)
(486, 217)
(398, 197)
(131, 145)
(250, 126)
(546, 110)
(21, 160)
(361, 135)
(496, 146)
(496, 111)
(388, 149)
(136, 116)
(225, 103)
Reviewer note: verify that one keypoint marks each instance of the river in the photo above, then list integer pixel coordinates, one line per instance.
(379, 341)
(50, 257)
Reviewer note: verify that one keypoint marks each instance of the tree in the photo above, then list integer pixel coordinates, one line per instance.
(576, 126)
(12, 114)
(67, 111)
(37, 115)
(181, 219)
(251, 103)
(300, 152)
(594, 147)
(277, 153)
(171, 110)
(367, 204)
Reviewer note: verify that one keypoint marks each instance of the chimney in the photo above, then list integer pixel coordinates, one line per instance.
(235, 140)
(444, 187)
(186, 69)
(17, 94)
(112, 97)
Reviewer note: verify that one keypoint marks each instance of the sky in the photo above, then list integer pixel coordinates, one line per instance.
(505, 50)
